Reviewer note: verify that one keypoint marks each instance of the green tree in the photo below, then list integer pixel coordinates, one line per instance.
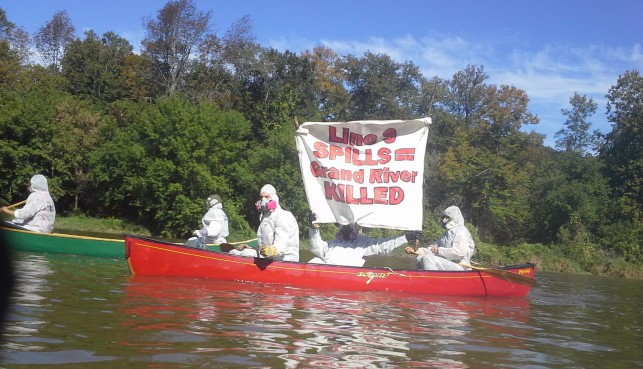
(139, 78)
(622, 153)
(568, 189)
(575, 136)
(6, 26)
(281, 88)
(95, 67)
(623, 149)
(26, 128)
(489, 189)
(501, 118)
(380, 88)
(480, 154)
(331, 94)
(75, 133)
(160, 161)
(16, 38)
(467, 93)
(9, 65)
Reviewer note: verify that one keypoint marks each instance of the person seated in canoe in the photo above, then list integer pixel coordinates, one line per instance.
(39, 212)
(278, 232)
(454, 247)
(349, 247)
(215, 225)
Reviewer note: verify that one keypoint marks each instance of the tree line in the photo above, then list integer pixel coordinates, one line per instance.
(146, 136)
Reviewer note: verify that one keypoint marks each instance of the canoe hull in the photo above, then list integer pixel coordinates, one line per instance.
(59, 243)
(156, 258)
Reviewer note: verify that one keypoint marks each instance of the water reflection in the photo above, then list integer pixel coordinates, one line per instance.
(207, 322)
(30, 286)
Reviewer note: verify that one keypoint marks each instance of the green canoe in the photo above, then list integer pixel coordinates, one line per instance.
(62, 243)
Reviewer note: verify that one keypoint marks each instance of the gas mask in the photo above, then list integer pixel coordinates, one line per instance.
(447, 223)
(266, 205)
(346, 233)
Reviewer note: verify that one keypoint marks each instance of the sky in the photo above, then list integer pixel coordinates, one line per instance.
(548, 48)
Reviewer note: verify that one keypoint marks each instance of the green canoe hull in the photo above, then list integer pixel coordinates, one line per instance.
(61, 243)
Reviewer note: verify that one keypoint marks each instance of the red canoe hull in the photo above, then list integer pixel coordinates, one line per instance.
(156, 258)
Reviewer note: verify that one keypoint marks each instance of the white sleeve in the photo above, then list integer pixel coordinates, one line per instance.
(383, 246)
(32, 207)
(318, 246)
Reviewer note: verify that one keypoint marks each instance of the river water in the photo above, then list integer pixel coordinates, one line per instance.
(81, 312)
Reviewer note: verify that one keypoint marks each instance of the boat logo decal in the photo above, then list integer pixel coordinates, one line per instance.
(371, 275)
(523, 271)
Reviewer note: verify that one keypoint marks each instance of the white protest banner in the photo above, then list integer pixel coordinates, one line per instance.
(366, 172)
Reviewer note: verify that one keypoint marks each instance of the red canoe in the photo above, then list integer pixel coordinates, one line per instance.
(153, 257)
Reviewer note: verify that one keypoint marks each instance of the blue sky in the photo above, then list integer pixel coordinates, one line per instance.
(548, 48)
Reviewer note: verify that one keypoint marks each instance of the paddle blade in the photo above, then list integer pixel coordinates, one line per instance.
(226, 247)
(506, 275)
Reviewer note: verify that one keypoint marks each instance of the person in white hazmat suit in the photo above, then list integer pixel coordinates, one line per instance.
(215, 225)
(39, 212)
(454, 247)
(278, 233)
(349, 247)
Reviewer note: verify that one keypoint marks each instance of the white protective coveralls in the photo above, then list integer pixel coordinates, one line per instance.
(351, 252)
(278, 228)
(215, 224)
(39, 212)
(456, 245)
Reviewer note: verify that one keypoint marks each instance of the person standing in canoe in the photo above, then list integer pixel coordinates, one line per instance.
(39, 212)
(278, 233)
(349, 247)
(215, 225)
(454, 247)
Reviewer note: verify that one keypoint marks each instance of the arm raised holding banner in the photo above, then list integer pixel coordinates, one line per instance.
(349, 247)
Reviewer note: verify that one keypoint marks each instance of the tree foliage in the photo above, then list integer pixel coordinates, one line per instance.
(623, 149)
(575, 135)
(623, 157)
(52, 39)
(96, 67)
(380, 88)
(171, 39)
(159, 167)
(15, 38)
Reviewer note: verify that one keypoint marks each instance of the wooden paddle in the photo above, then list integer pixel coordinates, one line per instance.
(16, 204)
(505, 275)
(498, 273)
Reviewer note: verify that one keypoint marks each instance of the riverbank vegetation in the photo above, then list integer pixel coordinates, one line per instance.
(144, 137)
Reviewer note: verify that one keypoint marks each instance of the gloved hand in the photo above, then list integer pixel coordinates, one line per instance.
(413, 235)
(198, 233)
(269, 251)
(311, 218)
(241, 246)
